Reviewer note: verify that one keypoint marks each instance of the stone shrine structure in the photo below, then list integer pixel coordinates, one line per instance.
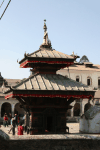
(90, 120)
(45, 95)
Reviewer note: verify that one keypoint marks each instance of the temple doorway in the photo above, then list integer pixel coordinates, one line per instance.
(5, 108)
(49, 123)
(49, 117)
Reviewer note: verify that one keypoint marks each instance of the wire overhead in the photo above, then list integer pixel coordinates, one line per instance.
(5, 8)
(2, 3)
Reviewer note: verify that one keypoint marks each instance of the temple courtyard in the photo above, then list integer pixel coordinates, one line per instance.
(73, 134)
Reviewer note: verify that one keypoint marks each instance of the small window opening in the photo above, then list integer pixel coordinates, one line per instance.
(99, 83)
(77, 79)
(88, 81)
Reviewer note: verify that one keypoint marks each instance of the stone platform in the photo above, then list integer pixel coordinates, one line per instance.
(71, 141)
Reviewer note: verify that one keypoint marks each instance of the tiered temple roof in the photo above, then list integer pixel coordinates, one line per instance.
(45, 82)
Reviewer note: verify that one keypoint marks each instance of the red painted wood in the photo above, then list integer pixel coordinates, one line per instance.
(23, 65)
(48, 95)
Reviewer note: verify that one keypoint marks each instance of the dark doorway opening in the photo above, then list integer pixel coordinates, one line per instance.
(88, 81)
(6, 108)
(49, 123)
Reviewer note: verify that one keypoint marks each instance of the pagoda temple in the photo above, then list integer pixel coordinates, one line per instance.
(45, 95)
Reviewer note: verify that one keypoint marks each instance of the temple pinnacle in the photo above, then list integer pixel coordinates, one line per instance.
(45, 27)
(46, 42)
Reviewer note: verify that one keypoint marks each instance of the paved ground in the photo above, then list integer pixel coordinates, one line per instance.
(73, 129)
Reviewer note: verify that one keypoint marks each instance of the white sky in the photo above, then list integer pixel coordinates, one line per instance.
(73, 25)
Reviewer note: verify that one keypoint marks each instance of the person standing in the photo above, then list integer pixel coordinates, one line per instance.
(10, 116)
(20, 129)
(5, 120)
(16, 120)
(13, 126)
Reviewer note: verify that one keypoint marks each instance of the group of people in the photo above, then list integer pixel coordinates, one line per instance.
(14, 122)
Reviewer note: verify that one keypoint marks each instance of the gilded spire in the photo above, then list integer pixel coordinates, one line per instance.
(46, 42)
(45, 27)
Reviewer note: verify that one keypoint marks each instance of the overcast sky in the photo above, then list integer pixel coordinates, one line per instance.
(73, 25)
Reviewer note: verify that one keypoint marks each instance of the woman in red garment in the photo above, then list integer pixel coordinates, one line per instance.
(20, 129)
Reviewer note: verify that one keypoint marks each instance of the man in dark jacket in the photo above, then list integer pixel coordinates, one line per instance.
(13, 126)
(16, 119)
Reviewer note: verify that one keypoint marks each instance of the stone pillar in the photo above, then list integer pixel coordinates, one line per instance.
(72, 110)
(81, 107)
(13, 106)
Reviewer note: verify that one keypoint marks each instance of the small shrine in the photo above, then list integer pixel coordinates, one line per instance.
(90, 120)
(45, 95)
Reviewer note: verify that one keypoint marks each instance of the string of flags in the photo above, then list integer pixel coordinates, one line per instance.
(5, 8)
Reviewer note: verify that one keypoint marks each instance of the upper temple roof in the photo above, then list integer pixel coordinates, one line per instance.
(49, 53)
(46, 53)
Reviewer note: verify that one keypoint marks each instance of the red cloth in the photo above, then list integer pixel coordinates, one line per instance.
(46, 131)
(20, 130)
(18, 119)
(5, 118)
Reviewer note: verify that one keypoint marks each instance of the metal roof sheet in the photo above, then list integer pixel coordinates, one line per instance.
(49, 53)
(83, 68)
(51, 82)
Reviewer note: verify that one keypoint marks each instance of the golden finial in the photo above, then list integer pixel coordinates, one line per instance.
(45, 27)
(44, 20)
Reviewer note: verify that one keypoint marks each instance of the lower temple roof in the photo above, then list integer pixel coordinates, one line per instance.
(50, 82)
